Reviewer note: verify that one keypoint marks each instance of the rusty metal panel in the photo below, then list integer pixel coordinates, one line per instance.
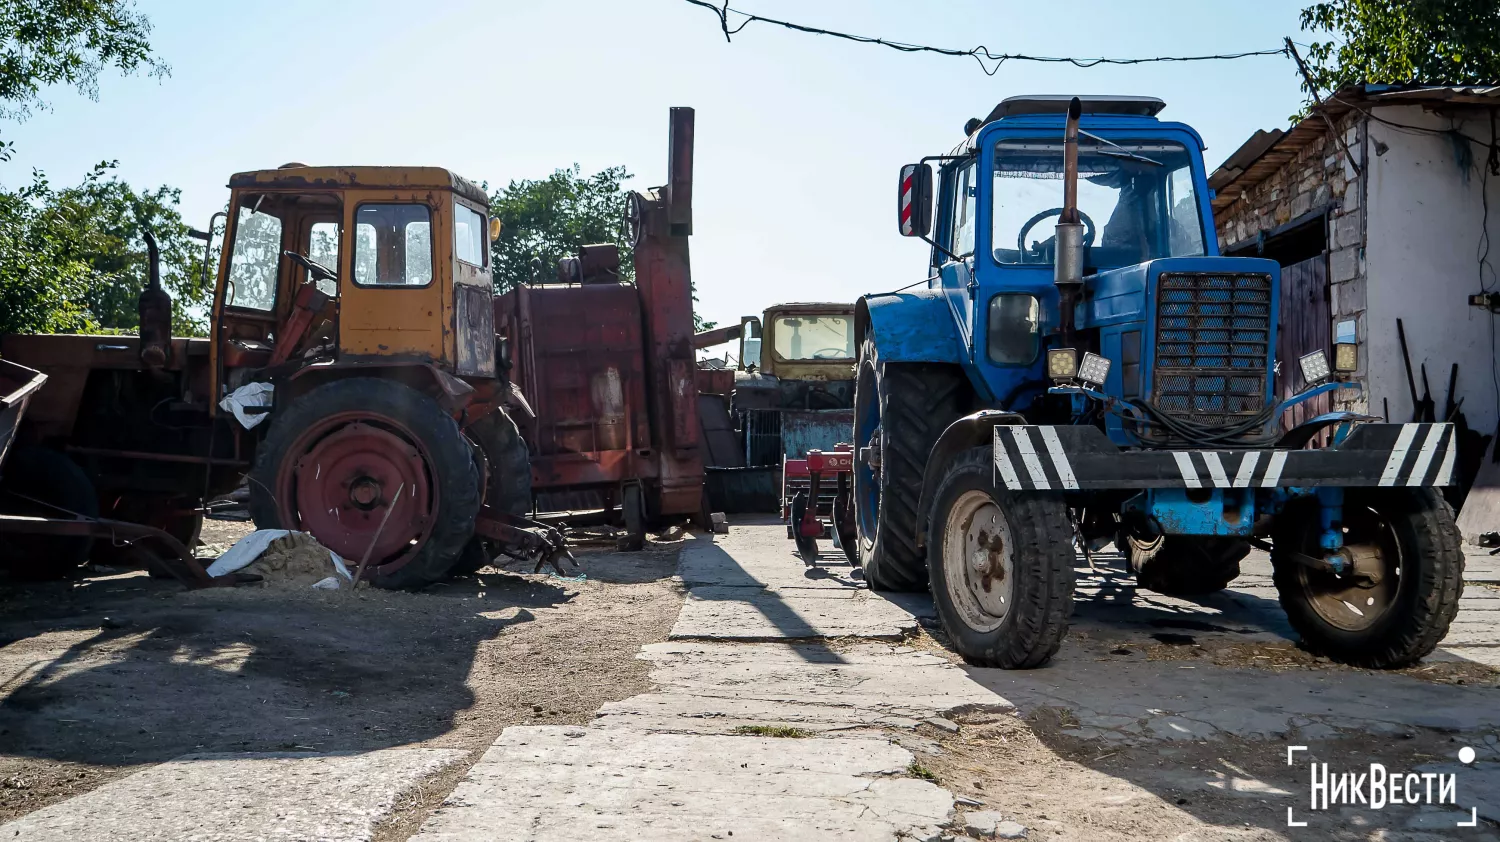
(821, 429)
(474, 327)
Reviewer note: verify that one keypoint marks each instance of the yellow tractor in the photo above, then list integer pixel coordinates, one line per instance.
(351, 373)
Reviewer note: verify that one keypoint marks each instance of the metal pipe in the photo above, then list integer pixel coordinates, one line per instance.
(1067, 265)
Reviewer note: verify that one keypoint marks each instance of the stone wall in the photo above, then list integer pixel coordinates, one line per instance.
(1319, 176)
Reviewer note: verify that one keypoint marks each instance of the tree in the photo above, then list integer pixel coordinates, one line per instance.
(74, 260)
(67, 42)
(1394, 41)
(546, 219)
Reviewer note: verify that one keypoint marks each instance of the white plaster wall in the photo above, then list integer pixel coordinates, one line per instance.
(1422, 262)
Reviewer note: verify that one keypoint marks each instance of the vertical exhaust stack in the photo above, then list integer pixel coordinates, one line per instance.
(155, 310)
(1068, 264)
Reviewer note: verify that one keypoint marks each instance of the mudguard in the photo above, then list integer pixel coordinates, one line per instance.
(909, 327)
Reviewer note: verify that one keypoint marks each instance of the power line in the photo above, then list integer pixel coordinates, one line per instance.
(980, 54)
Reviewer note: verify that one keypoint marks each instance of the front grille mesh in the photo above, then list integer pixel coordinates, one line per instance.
(1213, 335)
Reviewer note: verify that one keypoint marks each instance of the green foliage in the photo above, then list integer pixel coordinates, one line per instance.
(1395, 41)
(547, 219)
(67, 42)
(73, 259)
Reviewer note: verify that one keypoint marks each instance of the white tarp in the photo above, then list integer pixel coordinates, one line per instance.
(248, 395)
(249, 548)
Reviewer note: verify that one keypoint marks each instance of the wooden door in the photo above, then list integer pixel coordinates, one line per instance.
(1305, 324)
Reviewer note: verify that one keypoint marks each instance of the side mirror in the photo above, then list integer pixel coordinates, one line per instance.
(914, 200)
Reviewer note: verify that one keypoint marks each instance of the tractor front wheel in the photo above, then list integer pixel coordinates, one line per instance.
(45, 483)
(370, 467)
(1001, 566)
(1393, 604)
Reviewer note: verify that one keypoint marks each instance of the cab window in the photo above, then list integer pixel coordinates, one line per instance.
(1015, 328)
(254, 261)
(323, 247)
(468, 235)
(964, 207)
(393, 245)
(820, 338)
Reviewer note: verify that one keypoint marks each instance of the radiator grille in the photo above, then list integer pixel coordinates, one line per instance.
(1213, 340)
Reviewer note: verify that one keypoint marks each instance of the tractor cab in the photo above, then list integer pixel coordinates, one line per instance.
(333, 266)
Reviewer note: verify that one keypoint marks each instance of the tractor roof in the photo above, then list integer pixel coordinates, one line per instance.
(1133, 106)
(298, 177)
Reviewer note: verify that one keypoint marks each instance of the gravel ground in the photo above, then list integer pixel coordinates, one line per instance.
(113, 671)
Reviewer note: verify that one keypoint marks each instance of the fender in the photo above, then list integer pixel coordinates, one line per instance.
(909, 327)
(973, 430)
(1298, 437)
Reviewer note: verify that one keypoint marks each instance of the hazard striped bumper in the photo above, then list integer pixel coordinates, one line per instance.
(1035, 458)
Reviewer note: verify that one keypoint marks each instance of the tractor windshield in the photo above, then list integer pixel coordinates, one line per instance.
(804, 337)
(1137, 199)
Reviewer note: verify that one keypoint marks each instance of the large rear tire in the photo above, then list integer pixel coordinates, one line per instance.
(334, 462)
(900, 411)
(53, 478)
(1191, 565)
(1002, 566)
(1408, 538)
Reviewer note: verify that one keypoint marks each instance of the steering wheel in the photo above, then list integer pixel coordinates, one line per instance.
(318, 271)
(831, 354)
(1088, 233)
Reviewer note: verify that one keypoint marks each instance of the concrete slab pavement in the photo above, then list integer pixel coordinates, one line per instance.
(236, 797)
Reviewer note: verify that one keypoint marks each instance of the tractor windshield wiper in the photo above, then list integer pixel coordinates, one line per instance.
(1118, 151)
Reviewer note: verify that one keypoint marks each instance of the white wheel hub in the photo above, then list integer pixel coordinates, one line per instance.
(978, 561)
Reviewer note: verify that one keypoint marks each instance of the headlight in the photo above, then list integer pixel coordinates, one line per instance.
(1062, 363)
(1094, 369)
(1345, 356)
(1314, 367)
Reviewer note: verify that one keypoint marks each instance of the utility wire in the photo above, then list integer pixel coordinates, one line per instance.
(980, 54)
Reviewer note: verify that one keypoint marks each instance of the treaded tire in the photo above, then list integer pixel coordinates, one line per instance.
(510, 463)
(1431, 580)
(49, 476)
(1190, 565)
(916, 402)
(1041, 568)
(452, 469)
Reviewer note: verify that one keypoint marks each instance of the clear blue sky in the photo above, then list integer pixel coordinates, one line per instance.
(798, 137)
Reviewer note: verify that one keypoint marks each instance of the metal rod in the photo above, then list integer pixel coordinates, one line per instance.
(1318, 105)
(359, 574)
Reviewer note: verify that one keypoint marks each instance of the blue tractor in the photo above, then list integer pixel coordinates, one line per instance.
(1082, 367)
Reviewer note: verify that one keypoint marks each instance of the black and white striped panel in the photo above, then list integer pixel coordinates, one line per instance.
(1423, 455)
(1044, 458)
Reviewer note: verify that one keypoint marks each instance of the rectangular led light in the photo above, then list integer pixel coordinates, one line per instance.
(1093, 369)
(1314, 367)
(1345, 356)
(1062, 363)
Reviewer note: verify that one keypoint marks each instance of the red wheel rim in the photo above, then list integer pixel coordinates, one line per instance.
(340, 478)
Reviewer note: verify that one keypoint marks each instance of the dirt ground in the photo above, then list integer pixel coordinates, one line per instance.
(114, 670)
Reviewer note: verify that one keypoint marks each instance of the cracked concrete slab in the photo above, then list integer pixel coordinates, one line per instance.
(291, 796)
(555, 783)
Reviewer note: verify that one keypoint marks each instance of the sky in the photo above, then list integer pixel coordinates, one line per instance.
(799, 138)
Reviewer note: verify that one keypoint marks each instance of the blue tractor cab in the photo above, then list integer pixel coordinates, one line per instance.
(1082, 367)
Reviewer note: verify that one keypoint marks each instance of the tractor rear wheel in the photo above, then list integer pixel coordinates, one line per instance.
(1001, 564)
(1396, 601)
(342, 456)
(52, 478)
(1190, 565)
(900, 410)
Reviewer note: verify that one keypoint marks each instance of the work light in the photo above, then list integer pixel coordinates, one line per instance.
(1345, 356)
(1314, 367)
(1062, 363)
(1093, 369)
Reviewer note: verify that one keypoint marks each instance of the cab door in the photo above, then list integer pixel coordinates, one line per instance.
(392, 296)
(957, 275)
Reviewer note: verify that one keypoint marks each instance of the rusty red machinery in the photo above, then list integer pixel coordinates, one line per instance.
(608, 366)
(803, 480)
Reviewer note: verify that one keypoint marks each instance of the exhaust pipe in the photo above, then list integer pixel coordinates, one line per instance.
(1068, 264)
(155, 309)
